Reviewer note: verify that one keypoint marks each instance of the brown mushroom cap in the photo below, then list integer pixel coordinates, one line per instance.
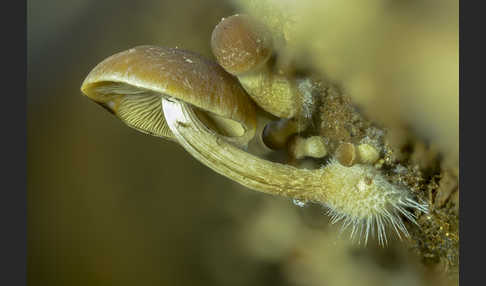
(241, 44)
(131, 83)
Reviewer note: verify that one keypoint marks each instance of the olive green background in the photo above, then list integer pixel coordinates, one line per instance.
(108, 205)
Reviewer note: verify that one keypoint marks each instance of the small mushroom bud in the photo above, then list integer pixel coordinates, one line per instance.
(367, 154)
(131, 84)
(243, 47)
(314, 146)
(346, 154)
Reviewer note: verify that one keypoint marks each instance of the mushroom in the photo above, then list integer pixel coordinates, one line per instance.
(367, 154)
(210, 116)
(346, 154)
(314, 146)
(243, 46)
(131, 84)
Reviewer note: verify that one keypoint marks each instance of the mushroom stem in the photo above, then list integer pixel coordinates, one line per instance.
(273, 92)
(358, 195)
(218, 153)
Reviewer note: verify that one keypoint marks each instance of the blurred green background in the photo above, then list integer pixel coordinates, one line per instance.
(110, 206)
(106, 204)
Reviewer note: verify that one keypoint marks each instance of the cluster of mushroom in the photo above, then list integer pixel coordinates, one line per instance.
(222, 112)
(132, 84)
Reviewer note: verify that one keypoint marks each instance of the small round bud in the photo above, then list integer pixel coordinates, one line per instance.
(241, 44)
(367, 154)
(346, 154)
(314, 146)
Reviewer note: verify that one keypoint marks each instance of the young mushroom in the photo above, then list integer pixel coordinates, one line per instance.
(243, 46)
(131, 84)
(314, 146)
(347, 154)
(367, 154)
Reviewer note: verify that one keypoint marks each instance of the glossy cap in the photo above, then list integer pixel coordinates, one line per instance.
(241, 44)
(131, 84)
